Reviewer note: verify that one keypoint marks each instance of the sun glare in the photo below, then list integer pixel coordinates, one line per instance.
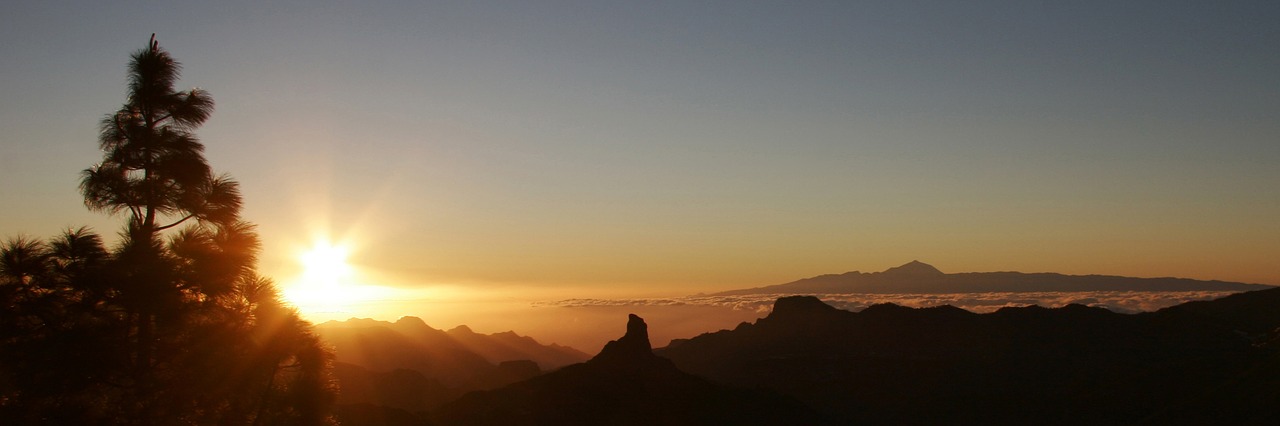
(325, 265)
(327, 282)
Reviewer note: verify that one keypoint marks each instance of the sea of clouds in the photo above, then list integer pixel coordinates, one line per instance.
(1117, 301)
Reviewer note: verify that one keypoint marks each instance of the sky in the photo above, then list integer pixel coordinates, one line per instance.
(604, 148)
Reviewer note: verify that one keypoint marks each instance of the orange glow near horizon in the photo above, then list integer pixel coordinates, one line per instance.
(329, 282)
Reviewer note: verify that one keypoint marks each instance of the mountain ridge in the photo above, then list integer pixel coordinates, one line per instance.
(807, 362)
(394, 369)
(920, 277)
(625, 384)
(1197, 363)
(494, 348)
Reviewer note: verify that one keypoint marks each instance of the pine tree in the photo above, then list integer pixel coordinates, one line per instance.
(173, 325)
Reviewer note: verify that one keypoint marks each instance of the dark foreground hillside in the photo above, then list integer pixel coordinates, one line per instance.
(1215, 362)
(626, 384)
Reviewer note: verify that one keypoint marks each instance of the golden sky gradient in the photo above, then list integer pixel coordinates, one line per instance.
(673, 148)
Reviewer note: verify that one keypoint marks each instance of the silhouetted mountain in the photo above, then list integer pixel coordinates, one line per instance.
(917, 277)
(1198, 363)
(406, 344)
(459, 358)
(626, 384)
(390, 372)
(408, 390)
(401, 389)
(509, 346)
(1253, 312)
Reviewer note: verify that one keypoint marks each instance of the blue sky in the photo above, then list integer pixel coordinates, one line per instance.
(682, 146)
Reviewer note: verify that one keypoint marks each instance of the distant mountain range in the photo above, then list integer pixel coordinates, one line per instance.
(1209, 362)
(918, 277)
(410, 366)
(454, 356)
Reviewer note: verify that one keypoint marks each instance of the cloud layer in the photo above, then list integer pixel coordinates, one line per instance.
(1117, 301)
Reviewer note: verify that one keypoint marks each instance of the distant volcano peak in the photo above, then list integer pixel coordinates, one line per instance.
(919, 277)
(914, 267)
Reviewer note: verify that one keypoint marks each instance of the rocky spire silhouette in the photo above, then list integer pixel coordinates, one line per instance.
(625, 384)
(633, 346)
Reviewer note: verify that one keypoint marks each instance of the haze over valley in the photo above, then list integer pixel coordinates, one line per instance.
(585, 323)
(807, 362)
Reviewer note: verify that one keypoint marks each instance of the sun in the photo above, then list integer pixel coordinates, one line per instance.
(326, 282)
(329, 286)
(325, 264)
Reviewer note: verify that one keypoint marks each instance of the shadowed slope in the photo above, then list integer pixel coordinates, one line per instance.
(390, 372)
(509, 346)
(626, 384)
(1072, 365)
(459, 358)
(406, 344)
(399, 389)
